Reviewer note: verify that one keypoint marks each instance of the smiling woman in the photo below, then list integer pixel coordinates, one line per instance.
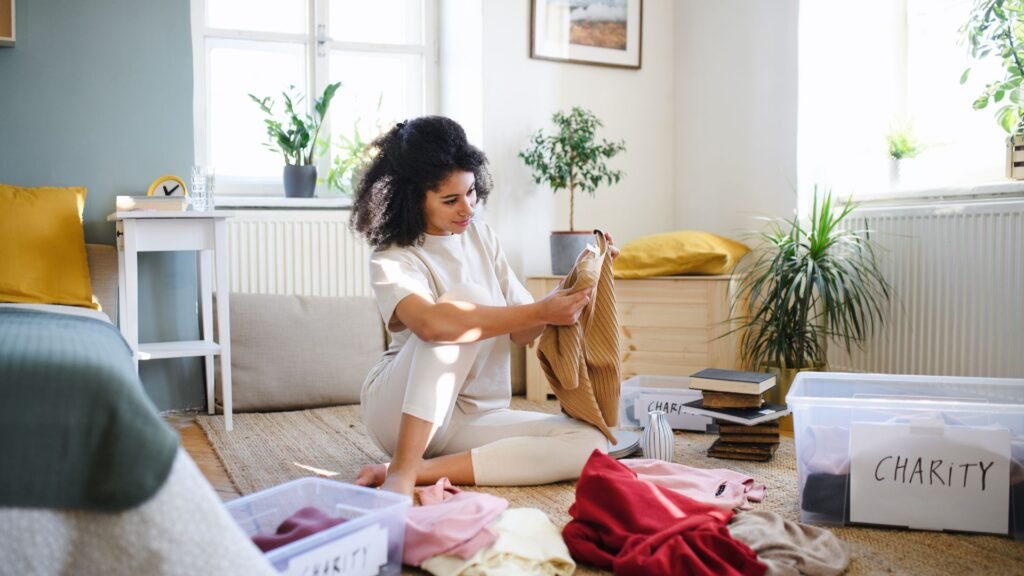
(438, 400)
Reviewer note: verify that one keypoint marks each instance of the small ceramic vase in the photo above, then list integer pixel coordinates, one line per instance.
(657, 440)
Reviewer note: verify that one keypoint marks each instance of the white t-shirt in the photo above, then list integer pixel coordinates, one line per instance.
(430, 270)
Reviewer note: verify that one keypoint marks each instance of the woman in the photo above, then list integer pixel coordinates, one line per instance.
(438, 401)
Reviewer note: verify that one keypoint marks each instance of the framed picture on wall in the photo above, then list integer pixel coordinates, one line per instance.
(601, 32)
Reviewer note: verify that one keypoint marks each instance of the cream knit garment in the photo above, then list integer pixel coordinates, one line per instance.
(581, 362)
(528, 543)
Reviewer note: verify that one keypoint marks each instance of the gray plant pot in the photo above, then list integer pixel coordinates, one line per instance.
(299, 181)
(566, 247)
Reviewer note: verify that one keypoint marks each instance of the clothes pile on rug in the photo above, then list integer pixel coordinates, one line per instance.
(632, 517)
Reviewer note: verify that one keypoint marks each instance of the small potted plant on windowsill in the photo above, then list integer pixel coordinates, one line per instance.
(571, 159)
(903, 145)
(995, 30)
(295, 139)
(803, 285)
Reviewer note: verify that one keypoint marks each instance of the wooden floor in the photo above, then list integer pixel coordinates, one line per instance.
(194, 441)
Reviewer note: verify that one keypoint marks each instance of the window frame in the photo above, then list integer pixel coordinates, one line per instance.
(317, 46)
(965, 189)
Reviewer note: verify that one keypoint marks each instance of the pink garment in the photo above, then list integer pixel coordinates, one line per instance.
(304, 522)
(449, 521)
(721, 488)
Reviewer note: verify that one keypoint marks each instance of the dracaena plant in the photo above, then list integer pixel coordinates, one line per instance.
(995, 30)
(572, 158)
(295, 137)
(806, 283)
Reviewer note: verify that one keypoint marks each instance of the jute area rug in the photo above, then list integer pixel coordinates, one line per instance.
(267, 449)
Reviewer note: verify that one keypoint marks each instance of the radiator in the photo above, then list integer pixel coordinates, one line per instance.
(957, 273)
(307, 252)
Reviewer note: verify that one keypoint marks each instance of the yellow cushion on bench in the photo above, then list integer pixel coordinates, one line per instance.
(678, 253)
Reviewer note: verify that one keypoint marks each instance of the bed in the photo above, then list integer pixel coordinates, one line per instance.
(92, 480)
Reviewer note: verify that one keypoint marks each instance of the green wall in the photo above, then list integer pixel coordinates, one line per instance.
(98, 93)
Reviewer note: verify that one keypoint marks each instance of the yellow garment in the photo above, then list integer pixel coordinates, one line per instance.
(42, 246)
(528, 543)
(581, 362)
(679, 253)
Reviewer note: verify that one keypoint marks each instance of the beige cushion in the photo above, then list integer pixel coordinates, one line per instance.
(291, 352)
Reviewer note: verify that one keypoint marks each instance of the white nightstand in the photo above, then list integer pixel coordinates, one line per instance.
(163, 231)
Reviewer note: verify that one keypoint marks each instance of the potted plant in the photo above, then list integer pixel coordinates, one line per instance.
(571, 159)
(352, 154)
(296, 137)
(802, 285)
(995, 29)
(903, 144)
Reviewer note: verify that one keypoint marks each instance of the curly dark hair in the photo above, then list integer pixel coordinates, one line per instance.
(413, 157)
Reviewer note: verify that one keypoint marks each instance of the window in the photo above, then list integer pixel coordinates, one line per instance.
(383, 52)
(868, 66)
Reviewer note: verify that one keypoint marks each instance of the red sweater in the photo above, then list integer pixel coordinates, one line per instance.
(630, 526)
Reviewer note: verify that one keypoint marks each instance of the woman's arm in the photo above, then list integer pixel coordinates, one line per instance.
(461, 322)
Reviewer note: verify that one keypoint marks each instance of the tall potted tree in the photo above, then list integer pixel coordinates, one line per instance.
(995, 30)
(571, 159)
(295, 138)
(803, 285)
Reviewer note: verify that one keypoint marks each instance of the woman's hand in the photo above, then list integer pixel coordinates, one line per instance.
(561, 309)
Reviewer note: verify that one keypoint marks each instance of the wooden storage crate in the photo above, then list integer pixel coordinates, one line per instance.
(1015, 157)
(668, 325)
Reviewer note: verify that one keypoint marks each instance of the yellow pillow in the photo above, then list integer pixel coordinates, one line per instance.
(42, 246)
(678, 253)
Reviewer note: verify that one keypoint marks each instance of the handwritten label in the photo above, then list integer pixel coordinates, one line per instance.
(671, 406)
(361, 553)
(930, 477)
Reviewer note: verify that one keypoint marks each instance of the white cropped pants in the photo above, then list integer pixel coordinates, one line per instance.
(508, 447)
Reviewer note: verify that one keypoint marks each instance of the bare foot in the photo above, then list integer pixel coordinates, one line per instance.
(399, 483)
(372, 475)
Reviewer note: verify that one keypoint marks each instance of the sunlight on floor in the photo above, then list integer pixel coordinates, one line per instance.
(317, 471)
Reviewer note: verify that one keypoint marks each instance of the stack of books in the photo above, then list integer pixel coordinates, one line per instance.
(741, 442)
(747, 424)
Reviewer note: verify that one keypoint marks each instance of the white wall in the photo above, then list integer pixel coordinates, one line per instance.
(709, 120)
(735, 112)
(461, 64)
(519, 96)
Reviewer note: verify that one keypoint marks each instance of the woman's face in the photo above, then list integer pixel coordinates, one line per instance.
(449, 208)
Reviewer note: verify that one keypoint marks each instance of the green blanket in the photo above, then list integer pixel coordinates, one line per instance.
(76, 428)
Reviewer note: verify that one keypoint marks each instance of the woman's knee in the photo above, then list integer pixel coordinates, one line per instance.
(468, 292)
(586, 438)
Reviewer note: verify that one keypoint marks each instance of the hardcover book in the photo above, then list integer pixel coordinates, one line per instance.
(730, 451)
(746, 416)
(768, 429)
(163, 203)
(731, 400)
(749, 438)
(737, 381)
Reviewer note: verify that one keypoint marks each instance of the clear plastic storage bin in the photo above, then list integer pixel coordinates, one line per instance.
(369, 542)
(924, 452)
(665, 393)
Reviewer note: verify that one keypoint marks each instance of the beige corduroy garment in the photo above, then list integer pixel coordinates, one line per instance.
(582, 361)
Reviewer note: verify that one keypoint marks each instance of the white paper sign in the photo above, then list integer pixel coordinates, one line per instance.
(930, 477)
(360, 553)
(670, 405)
